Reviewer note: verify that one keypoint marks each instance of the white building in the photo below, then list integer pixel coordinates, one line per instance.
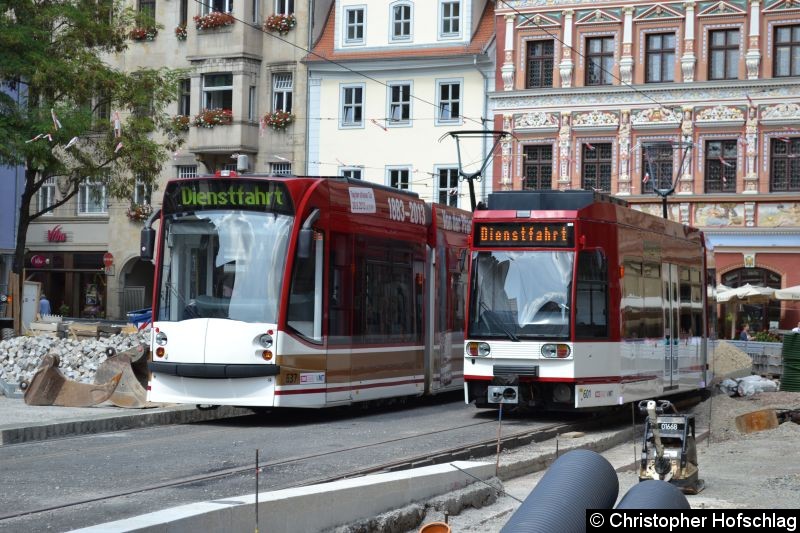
(387, 79)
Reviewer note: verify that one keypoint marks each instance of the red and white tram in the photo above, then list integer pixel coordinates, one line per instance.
(304, 292)
(577, 301)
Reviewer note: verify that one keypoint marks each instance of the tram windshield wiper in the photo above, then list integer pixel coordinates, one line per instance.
(490, 315)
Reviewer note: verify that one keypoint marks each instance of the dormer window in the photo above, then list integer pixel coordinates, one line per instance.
(401, 22)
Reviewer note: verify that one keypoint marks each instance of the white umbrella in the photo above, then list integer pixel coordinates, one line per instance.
(746, 294)
(789, 293)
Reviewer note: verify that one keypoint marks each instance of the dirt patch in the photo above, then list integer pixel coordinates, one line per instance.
(728, 361)
(723, 411)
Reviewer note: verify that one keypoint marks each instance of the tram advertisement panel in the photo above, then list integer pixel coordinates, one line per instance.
(525, 234)
(231, 194)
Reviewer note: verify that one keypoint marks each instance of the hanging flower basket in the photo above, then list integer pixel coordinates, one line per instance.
(139, 212)
(213, 20)
(180, 32)
(181, 122)
(143, 34)
(278, 120)
(208, 118)
(280, 23)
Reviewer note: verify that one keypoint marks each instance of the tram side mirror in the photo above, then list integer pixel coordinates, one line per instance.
(304, 243)
(147, 243)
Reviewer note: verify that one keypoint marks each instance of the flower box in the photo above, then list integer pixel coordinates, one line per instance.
(143, 34)
(208, 118)
(213, 20)
(181, 123)
(278, 120)
(180, 32)
(139, 212)
(280, 23)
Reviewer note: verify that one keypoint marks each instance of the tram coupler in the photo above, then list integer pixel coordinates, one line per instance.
(669, 449)
(504, 389)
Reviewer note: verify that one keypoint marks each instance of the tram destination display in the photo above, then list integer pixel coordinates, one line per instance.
(525, 234)
(215, 193)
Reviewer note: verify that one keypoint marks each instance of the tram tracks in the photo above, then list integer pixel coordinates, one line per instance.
(469, 450)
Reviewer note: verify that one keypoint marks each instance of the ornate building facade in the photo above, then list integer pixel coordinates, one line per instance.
(696, 102)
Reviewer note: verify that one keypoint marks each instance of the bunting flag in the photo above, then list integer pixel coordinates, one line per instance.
(453, 191)
(71, 142)
(725, 163)
(589, 146)
(35, 138)
(48, 137)
(56, 123)
(376, 123)
(117, 125)
(118, 148)
(646, 177)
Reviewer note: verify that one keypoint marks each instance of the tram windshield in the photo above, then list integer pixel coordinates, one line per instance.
(223, 264)
(521, 294)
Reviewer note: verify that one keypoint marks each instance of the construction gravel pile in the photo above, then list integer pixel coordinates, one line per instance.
(20, 356)
(725, 409)
(728, 361)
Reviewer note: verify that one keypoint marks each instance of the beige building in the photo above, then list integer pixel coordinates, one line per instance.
(242, 62)
(636, 97)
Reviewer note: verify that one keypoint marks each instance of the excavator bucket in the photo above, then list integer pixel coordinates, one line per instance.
(132, 364)
(49, 386)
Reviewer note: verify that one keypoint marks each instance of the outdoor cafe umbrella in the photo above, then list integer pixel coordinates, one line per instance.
(746, 294)
(789, 293)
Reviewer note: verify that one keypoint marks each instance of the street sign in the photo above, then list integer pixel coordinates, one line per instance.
(108, 259)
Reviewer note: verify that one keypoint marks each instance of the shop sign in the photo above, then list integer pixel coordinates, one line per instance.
(38, 261)
(56, 234)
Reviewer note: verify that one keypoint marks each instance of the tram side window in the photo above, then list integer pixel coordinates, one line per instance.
(302, 313)
(653, 313)
(340, 289)
(632, 301)
(591, 306)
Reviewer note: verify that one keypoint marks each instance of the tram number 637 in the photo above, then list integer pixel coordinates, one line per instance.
(397, 211)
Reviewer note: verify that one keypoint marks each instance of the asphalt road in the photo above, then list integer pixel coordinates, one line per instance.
(295, 447)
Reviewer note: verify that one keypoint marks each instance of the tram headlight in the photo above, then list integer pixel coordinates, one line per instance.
(161, 338)
(555, 351)
(265, 340)
(478, 349)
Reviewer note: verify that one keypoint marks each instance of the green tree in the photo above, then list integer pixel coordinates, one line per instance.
(57, 63)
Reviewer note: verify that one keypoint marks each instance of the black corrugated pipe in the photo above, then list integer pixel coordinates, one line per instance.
(576, 481)
(654, 494)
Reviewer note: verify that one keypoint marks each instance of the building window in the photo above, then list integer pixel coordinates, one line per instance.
(223, 6)
(46, 196)
(401, 22)
(539, 68)
(282, 85)
(218, 91)
(785, 175)
(142, 193)
(448, 187)
(723, 61)
(187, 171)
(284, 7)
(255, 12)
(280, 169)
(596, 166)
(252, 107)
(656, 167)
(399, 103)
(183, 13)
(351, 172)
(399, 178)
(354, 25)
(185, 97)
(538, 161)
(352, 106)
(449, 104)
(147, 10)
(92, 199)
(451, 19)
(721, 166)
(599, 60)
(787, 51)
(660, 57)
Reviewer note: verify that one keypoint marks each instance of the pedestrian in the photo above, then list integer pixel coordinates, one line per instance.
(745, 334)
(44, 305)
(796, 329)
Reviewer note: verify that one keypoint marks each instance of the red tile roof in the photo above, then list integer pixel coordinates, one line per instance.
(325, 49)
